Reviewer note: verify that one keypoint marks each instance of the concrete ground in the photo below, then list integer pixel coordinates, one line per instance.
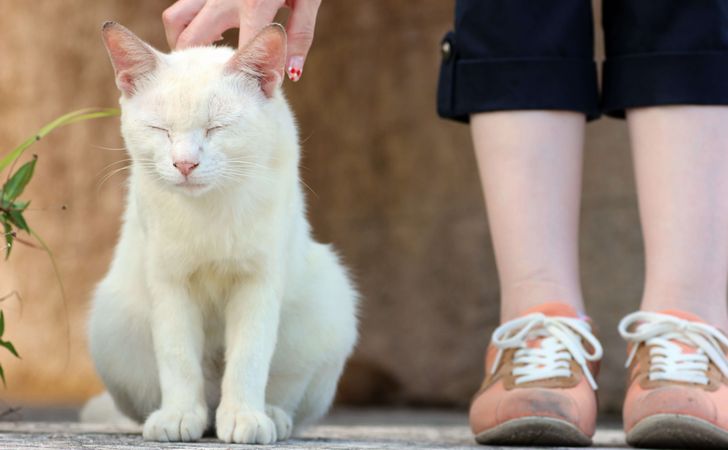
(344, 428)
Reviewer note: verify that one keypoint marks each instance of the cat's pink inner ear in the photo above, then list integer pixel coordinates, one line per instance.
(131, 57)
(264, 58)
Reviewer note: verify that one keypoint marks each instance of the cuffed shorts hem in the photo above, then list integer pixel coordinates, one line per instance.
(661, 79)
(471, 86)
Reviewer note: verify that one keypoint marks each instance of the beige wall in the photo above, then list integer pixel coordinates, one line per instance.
(396, 191)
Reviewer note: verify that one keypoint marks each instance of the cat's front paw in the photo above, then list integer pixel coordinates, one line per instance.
(282, 421)
(169, 425)
(244, 426)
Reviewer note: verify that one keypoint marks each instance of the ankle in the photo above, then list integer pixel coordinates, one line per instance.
(712, 309)
(517, 298)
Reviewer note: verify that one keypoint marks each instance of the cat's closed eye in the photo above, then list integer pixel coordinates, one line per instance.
(212, 129)
(160, 129)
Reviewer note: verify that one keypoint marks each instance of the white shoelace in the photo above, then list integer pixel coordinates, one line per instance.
(663, 333)
(561, 342)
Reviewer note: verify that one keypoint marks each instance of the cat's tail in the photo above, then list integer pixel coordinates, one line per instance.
(101, 409)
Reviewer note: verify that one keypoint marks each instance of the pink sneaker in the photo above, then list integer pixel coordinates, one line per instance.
(539, 385)
(677, 396)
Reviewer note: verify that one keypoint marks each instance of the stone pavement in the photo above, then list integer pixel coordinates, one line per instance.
(343, 429)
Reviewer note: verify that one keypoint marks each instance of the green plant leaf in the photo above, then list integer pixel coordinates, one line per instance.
(8, 238)
(11, 211)
(20, 206)
(10, 347)
(17, 182)
(16, 217)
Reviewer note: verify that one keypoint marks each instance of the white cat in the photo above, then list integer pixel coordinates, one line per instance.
(218, 307)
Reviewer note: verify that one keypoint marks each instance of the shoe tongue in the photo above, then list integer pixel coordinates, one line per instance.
(553, 309)
(685, 316)
(682, 315)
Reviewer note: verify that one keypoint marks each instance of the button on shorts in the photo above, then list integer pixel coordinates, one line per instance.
(539, 54)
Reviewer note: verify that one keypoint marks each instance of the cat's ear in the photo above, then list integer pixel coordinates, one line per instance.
(131, 57)
(263, 58)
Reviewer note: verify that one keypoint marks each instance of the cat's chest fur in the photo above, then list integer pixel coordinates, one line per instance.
(212, 244)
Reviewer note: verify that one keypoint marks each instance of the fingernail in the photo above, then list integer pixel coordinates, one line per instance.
(295, 68)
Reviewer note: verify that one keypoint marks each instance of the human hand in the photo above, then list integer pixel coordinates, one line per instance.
(202, 22)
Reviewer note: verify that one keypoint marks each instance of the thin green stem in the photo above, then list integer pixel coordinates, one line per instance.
(66, 119)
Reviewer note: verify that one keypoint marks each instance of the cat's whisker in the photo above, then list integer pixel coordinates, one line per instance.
(244, 160)
(306, 139)
(126, 160)
(102, 176)
(112, 149)
(300, 180)
(233, 179)
(111, 174)
(112, 171)
(252, 174)
(245, 165)
(244, 168)
(238, 175)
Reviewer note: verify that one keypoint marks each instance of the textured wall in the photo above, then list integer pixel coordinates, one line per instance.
(396, 190)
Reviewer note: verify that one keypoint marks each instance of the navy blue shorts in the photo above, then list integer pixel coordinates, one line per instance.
(538, 54)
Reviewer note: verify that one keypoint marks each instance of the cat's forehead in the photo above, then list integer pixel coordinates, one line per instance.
(196, 65)
(191, 84)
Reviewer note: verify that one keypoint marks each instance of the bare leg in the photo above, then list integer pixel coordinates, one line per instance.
(681, 162)
(530, 166)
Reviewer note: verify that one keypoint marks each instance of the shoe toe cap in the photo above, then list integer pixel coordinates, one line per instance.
(496, 406)
(682, 400)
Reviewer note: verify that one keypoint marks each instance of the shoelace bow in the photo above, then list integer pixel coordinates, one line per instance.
(561, 341)
(668, 360)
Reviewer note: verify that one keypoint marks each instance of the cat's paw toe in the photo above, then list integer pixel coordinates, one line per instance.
(282, 421)
(169, 425)
(245, 426)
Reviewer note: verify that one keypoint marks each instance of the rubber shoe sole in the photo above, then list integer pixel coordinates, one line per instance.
(676, 431)
(534, 431)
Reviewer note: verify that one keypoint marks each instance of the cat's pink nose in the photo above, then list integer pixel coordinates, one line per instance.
(185, 167)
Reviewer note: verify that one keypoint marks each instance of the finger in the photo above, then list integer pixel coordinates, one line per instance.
(300, 29)
(208, 26)
(254, 16)
(178, 16)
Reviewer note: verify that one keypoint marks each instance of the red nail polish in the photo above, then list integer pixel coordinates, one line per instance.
(295, 68)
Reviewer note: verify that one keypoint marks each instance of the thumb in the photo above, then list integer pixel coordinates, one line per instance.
(300, 29)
